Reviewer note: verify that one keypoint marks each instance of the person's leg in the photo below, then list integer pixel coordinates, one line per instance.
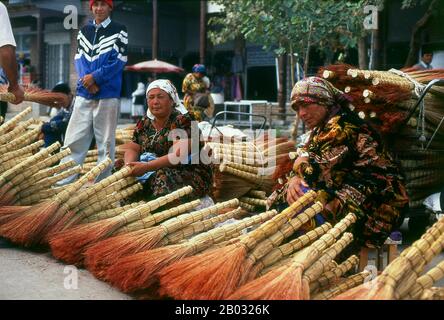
(79, 133)
(3, 109)
(105, 124)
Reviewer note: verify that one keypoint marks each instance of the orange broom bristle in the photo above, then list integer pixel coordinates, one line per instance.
(211, 275)
(69, 245)
(139, 271)
(6, 210)
(373, 290)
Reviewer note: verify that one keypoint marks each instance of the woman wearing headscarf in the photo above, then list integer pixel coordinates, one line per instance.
(164, 138)
(345, 162)
(194, 85)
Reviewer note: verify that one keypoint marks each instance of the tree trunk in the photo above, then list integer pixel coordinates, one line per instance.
(203, 31)
(155, 43)
(362, 52)
(307, 53)
(415, 38)
(282, 92)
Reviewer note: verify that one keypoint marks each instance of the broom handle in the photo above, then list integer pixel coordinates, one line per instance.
(66, 194)
(292, 246)
(12, 122)
(48, 171)
(351, 282)
(17, 143)
(242, 167)
(246, 206)
(334, 274)
(48, 182)
(157, 217)
(25, 179)
(100, 195)
(258, 194)
(318, 267)
(245, 175)
(270, 227)
(36, 197)
(200, 226)
(25, 150)
(76, 200)
(5, 138)
(27, 163)
(105, 203)
(266, 245)
(253, 201)
(427, 280)
(110, 213)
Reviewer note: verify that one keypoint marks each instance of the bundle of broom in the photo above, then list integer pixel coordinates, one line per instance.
(143, 235)
(92, 157)
(46, 97)
(221, 268)
(290, 279)
(139, 271)
(253, 200)
(69, 245)
(29, 227)
(399, 278)
(124, 135)
(11, 123)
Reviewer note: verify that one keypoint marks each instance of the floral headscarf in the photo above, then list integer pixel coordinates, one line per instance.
(169, 88)
(316, 90)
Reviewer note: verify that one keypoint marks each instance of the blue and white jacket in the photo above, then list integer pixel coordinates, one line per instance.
(102, 52)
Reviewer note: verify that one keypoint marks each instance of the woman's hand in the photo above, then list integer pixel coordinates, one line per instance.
(297, 163)
(138, 168)
(294, 190)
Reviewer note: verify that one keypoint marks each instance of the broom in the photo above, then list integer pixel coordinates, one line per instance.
(223, 273)
(104, 253)
(383, 287)
(18, 130)
(45, 97)
(286, 281)
(426, 281)
(347, 284)
(68, 245)
(289, 282)
(107, 253)
(111, 213)
(6, 126)
(30, 227)
(20, 152)
(22, 140)
(139, 271)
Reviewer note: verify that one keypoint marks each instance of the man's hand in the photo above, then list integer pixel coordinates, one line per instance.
(93, 89)
(294, 191)
(88, 81)
(18, 92)
(138, 168)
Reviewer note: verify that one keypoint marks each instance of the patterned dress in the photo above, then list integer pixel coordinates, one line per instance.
(347, 164)
(169, 179)
(190, 86)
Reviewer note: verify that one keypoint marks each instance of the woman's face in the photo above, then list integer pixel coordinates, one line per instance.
(159, 103)
(312, 114)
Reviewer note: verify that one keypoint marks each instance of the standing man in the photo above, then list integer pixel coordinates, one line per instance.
(100, 59)
(7, 56)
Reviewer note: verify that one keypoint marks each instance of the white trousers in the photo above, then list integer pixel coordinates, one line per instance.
(92, 118)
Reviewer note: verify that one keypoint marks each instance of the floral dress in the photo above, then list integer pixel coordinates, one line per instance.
(190, 86)
(169, 179)
(351, 171)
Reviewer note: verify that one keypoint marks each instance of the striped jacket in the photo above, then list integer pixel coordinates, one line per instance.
(102, 52)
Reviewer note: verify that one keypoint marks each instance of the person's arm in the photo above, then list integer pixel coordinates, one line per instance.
(115, 63)
(9, 65)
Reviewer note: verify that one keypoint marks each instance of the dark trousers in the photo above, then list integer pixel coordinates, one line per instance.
(3, 108)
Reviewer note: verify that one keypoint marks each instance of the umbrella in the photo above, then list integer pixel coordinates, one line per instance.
(155, 66)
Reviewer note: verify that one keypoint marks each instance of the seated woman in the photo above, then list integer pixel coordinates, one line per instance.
(345, 162)
(154, 134)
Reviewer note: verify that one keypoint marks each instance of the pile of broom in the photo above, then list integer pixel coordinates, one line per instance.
(248, 170)
(386, 99)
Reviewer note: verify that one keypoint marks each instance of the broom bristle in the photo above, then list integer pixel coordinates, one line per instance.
(104, 253)
(373, 290)
(138, 271)
(212, 275)
(8, 199)
(284, 283)
(26, 227)
(4, 190)
(59, 224)
(69, 245)
(7, 210)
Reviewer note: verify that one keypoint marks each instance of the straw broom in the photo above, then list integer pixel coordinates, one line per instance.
(289, 282)
(145, 239)
(22, 140)
(383, 287)
(259, 194)
(25, 150)
(104, 253)
(5, 127)
(18, 130)
(223, 273)
(69, 245)
(29, 228)
(434, 293)
(46, 97)
(287, 248)
(286, 282)
(110, 213)
(349, 283)
(139, 271)
(426, 281)
(333, 275)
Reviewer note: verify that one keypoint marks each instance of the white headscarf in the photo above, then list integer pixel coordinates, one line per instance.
(169, 88)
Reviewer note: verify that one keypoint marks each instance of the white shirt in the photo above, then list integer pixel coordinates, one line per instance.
(6, 36)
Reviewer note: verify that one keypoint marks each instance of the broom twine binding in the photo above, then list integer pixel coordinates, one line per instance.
(25, 139)
(25, 150)
(110, 213)
(13, 121)
(349, 283)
